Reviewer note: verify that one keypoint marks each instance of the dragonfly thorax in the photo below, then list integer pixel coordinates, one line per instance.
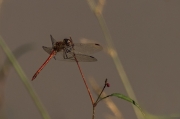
(59, 46)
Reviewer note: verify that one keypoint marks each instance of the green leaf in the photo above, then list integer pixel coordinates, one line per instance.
(118, 95)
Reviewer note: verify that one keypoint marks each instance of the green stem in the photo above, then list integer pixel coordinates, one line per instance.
(24, 79)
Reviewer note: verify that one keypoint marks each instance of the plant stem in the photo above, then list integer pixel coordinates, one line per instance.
(101, 92)
(113, 53)
(92, 101)
(90, 95)
(24, 80)
(93, 115)
(94, 105)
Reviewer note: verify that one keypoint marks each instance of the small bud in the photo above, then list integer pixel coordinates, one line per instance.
(107, 84)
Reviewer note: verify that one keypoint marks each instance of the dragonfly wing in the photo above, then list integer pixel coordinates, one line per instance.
(81, 58)
(70, 57)
(47, 49)
(88, 48)
(53, 41)
(84, 58)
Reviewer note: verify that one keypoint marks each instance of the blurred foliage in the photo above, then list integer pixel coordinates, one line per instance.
(4, 71)
(23, 78)
(97, 9)
(117, 113)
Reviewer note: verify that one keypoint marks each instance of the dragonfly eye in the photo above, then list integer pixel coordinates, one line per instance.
(67, 42)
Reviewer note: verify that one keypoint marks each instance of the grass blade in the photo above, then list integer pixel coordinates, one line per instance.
(24, 79)
(17, 53)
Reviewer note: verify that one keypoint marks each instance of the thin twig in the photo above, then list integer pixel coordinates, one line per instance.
(93, 115)
(94, 105)
(117, 113)
(101, 91)
(90, 95)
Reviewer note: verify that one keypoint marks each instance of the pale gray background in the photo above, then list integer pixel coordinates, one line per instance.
(146, 34)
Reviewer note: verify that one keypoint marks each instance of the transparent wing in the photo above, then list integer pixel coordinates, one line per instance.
(88, 48)
(70, 58)
(47, 49)
(81, 50)
(53, 40)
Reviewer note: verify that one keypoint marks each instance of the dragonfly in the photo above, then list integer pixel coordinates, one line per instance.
(66, 50)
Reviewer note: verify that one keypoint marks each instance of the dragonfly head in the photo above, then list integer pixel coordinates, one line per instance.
(68, 42)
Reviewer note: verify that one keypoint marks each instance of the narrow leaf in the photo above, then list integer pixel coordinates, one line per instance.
(118, 95)
(24, 79)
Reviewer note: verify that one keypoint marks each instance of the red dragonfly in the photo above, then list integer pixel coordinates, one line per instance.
(66, 50)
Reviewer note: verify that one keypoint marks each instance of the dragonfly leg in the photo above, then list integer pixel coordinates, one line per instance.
(67, 53)
(64, 54)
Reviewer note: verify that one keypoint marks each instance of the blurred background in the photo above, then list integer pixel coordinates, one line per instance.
(146, 35)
